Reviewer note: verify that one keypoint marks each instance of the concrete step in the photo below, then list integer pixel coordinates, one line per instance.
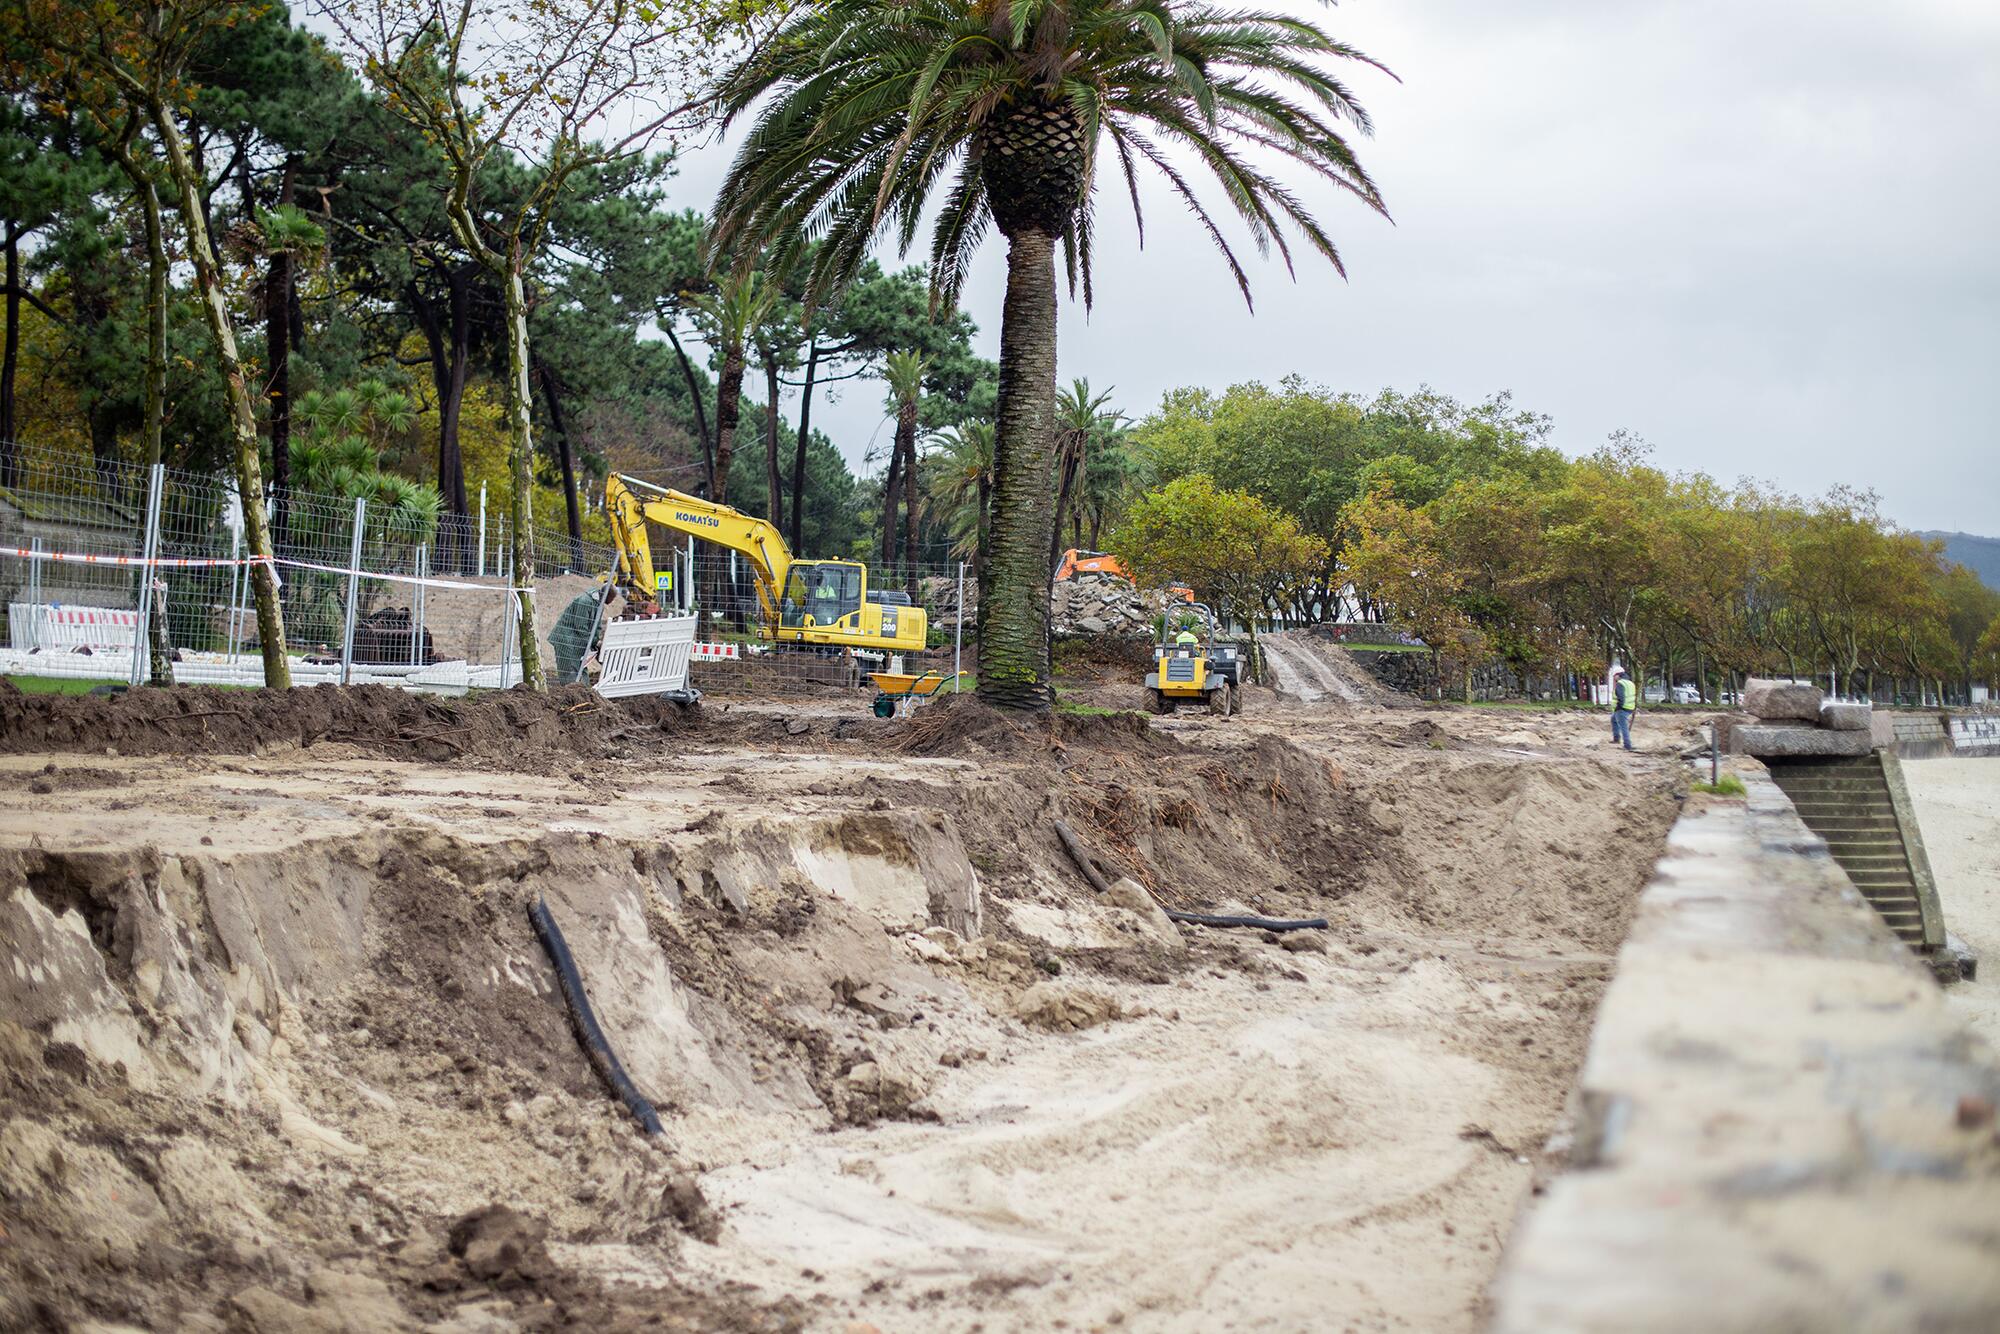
(1869, 783)
(1848, 803)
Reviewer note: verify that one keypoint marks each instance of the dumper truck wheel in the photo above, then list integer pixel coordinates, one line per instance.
(1156, 702)
(1218, 700)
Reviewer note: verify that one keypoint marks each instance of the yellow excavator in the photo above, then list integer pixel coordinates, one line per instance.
(820, 603)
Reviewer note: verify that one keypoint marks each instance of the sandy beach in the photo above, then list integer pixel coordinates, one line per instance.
(1958, 806)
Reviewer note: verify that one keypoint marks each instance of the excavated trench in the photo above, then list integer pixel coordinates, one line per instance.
(280, 1049)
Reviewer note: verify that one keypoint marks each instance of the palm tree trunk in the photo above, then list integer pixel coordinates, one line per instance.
(890, 500)
(799, 450)
(1066, 472)
(985, 524)
(906, 441)
(728, 392)
(242, 414)
(775, 501)
(1014, 581)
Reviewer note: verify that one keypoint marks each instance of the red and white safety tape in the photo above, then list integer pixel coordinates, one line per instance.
(702, 650)
(211, 562)
(92, 558)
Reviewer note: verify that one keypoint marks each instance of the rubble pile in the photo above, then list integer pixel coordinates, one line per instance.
(1795, 719)
(1103, 604)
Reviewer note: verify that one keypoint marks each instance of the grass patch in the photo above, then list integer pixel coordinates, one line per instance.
(1089, 710)
(1380, 648)
(1729, 785)
(58, 685)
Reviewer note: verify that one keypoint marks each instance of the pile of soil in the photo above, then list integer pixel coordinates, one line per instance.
(518, 728)
(965, 726)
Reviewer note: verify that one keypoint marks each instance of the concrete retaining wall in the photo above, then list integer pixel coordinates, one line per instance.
(1780, 1126)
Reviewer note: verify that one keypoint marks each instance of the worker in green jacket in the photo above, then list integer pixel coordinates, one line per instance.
(1624, 703)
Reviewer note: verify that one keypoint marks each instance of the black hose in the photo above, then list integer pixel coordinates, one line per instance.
(1254, 923)
(584, 1020)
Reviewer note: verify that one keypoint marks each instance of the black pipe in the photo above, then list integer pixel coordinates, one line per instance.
(1254, 923)
(584, 1021)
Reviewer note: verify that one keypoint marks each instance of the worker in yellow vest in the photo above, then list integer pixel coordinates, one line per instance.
(1624, 703)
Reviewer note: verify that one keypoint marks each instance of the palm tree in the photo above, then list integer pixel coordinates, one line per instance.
(977, 112)
(962, 486)
(740, 302)
(905, 373)
(1080, 416)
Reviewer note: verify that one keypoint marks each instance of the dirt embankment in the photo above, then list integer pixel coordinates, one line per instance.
(516, 728)
(291, 1057)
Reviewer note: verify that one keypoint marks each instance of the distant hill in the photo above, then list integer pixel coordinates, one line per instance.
(1981, 555)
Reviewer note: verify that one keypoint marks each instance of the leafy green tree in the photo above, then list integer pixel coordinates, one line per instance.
(128, 63)
(876, 110)
(1969, 607)
(1406, 563)
(534, 81)
(1238, 553)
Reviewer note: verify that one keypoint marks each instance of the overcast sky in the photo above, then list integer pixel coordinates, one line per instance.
(1763, 234)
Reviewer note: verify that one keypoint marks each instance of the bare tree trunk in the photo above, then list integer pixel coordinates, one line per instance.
(566, 457)
(521, 466)
(1014, 580)
(242, 413)
(9, 447)
(147, 193)
(278, 343)
(700, 410)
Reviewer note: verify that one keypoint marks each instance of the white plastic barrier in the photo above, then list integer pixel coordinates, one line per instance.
(56, 625)
(646, 656)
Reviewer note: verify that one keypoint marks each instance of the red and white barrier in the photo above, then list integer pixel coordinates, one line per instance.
(706, 650)
(55, 626)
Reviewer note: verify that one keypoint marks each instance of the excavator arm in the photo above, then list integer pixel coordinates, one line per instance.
(822, 603)
(756, 541)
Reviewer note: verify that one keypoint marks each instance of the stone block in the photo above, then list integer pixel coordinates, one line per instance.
(1781, 741)
(1845, 717)
(1778, 700)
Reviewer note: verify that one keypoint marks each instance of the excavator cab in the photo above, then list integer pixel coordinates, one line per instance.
(822, 593)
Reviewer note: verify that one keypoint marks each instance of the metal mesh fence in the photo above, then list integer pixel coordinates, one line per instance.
(124, 573)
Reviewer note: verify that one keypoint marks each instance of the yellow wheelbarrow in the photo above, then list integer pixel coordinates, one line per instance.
(898, 691)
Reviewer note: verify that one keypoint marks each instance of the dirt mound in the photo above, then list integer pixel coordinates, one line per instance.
(964, 726)
(514, 728)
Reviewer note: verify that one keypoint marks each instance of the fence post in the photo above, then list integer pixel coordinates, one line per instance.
(353, 589)
(958, 637)
(508, 609)
(482, 530)
(149, 550)
(37, 619)
(417, 605)
(236, 581)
